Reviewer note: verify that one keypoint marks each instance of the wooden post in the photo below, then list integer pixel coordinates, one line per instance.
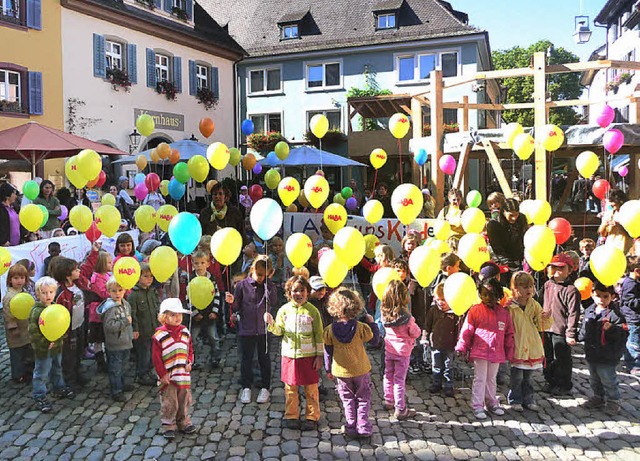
(437, 133)
(464, 126)
(461, 169)
(540, 120)
(632, 178)
(416, 121)
(497, 169)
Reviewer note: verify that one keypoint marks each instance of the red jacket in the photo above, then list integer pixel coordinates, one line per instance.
(186, 268)
(65, 296)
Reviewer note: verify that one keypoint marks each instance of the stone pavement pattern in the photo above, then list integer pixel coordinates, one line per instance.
(93, 427)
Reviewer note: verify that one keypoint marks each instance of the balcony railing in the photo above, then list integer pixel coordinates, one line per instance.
(15, 107)
(12, 15)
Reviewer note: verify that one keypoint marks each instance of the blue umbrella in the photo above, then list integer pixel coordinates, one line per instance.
(186, 148)
(310, 156)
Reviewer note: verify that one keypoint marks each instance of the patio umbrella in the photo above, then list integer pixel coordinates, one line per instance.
(310, 156)
(34, 143)
(186, 147)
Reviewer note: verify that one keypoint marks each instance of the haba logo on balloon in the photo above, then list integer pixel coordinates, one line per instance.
(334, 217)
(381, 156)
(289, 188)
(552, 133)
(403, 120)
(98, 221)
(166, 217)
(127, 271)
(316, 189)
(406, 201)
(483, 249)
(7, 265)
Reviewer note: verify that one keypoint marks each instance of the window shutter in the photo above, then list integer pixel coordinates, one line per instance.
(177, 73)
(99, 57)
(35, 93)
(34, 14)
(190, 9)
(193, 79)
(132, 63)
(214, 82)
(158, 3)
(151, 68)
(168, 5)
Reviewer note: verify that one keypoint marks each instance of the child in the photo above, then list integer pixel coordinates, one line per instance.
(54, 250)
(207, 318)
(561, 301)
(249, 253)
(441, 331)
(630, 308)
(318, 298)
(144, 321)
(48, 355)
(276, 253)
(125, 247)
(487, 339)
(586, 248)
(17, 331)
(154, 199)
(102, 273)
(400, 334)
(253, 297)
(449, 265)
(604, 339)
(72, 280)
(300, 325)
(118, 337)
(30, 285)
(172, 356)
(346, 359)
(529, 320)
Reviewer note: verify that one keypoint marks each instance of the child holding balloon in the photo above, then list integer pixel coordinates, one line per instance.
(101, 273)
(125, 247)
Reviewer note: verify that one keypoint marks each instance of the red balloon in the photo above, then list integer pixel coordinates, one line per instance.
(93, 233)
(102, 178)
(152, 181)
(561, 229)
(255, 192)
(601, 188)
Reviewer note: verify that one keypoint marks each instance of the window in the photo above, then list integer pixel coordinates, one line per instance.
(405, 68)
(258, 83)
(182, 4)
(265, 123)
(10, 91)
(418, 67)
(427, 63)
(10, 10)
(449, 64)
(202, 73)
(334, 117)
(113, 54)
(449, 116)
(290, 31)
(323, 75)
(386, 21)
(162, 68)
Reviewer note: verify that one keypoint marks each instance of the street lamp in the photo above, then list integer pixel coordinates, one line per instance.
(582, 32)
(193, 138)
(134, 141)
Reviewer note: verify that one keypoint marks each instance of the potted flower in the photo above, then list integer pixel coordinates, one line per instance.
(207, 98)
(167, 88)
(10, 106)
(148, 3)
(118, 78)
(333, 138)
(264, 142)
(625, 78)
(612, 86)
(447, 128)
(179, 13)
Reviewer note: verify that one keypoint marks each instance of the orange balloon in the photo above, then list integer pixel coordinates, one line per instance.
(155, 158)
(210, 184)
(93, 182)
(207, 127)
(174, 156)
(164, 150)
(249, 161)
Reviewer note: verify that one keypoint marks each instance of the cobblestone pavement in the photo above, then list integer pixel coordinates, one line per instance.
(93, 427)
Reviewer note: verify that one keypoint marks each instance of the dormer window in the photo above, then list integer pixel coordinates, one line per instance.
(386, 21)
(386, 13)
(290, 31)
(291, 24)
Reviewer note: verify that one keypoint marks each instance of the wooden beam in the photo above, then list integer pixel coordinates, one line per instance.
(573, 175)
(406, 109)
(464, 126)
(497, 169)
(463, 160)
(540, 120)
(437, 132)
(592, 65)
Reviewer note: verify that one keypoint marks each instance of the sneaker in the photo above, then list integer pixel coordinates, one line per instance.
(435, 388)
(190, 429)
(292, 423)
(635, 371)
(389, 405)
(415, 369)
(308, 425)
(426, 368)
(147, 380)
(128, 387)
(548, 388)
(245, 395)
(532, 407)
(593, 403)
(195, 366)
(263, 396)
(406, 414)
(498, 411)
(449, 392)
(119, 397)
(169, 435)
(517, 407)
(323, 390)
(43, 405)
(215, 364)
(558, 392)
(479, 414)
(64, 393)
(612, 407)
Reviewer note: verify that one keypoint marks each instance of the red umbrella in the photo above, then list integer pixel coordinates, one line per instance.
(34, 143)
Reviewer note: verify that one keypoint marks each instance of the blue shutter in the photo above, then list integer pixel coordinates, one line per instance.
(190, 9)
(158, 3)
(177, 73)
(168, 5)
(151, 68)
(132, 63)
(34, 14)
(193, 78)
(215, 86)
(35, 93)
(99, 57)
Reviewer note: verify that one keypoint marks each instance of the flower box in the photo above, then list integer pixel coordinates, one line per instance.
(179, 13)
(207, 98)
(264, 142)
(118, 79)
(167, 88)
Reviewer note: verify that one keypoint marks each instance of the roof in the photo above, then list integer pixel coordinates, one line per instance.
(293, 16)
(333, 24)
(387, 5)
(612, 10)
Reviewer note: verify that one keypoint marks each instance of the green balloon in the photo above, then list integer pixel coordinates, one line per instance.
(474, 199)
(338, 198)
(234, 156)
(347, 192)
(282, 150)
(45, 215)
(272, 178)
(181, 172)
(31, 189)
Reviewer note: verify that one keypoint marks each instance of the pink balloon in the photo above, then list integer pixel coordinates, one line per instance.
(624, 171)
(606, 116)
(613, 141)
(64, 212)
(140, 191)
(447, 164)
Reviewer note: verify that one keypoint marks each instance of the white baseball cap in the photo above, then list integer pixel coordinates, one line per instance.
(173, 305)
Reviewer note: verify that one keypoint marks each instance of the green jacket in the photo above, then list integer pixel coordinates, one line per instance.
(144, 310)
(301, 330)
(53, 206)
(39, 343)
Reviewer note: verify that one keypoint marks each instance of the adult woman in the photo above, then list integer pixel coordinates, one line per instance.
(506, 235)
(52, 204)
(385, 199)
(79, 197)
(611, 230)
(124, 202)
(221, 213)
(453, 212)
(10, 231)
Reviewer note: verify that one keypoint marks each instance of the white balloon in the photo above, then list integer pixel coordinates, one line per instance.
(266, 218)
(37, 179)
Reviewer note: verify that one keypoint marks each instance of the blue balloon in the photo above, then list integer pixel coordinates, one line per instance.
(247, 127)
(421, 157)
(176, 189)
(139, 178)
(257, 169)
(185, 232)
(272, 159)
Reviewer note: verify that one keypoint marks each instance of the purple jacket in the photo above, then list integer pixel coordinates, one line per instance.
(400, 335)
(487, 334)
(251, 303)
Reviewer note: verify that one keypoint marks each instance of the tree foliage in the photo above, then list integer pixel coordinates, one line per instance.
(520, 89)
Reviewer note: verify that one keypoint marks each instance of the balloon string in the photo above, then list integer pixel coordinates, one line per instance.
(320, 153)
(226, 269)
(373, 188)
(400, 154)
(266, 299)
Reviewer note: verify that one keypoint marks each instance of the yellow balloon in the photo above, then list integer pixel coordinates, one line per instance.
(31, 217)
(552, 137)
(524, 145)
(288, 190)
(587, 163)
(164, 187)
(146, 218)
(89, 164)
(407, 201)
(473, 220)
(141, 162)
(163, 263)
(424, 264)
(440, 246)
(399, 125)
(72, 171)
(319, 125)
(21, 305)
(332, 269)
(234, 156)
(81, 217)
(201, 292)
(126, 271)
(155, 157)
(198, 168)
(218, 155)
(298, 248)
(511, 132)
(107, 219)
(629, 217)
(54, 322)
(5, 260)
(460, 292)
(538, 259)
(335, 217)
(145, 124)
(226, 244)
(539, 240)
(371, 242)
(164, 215)
(373, 211)
(108, 199)
(381, 279)
(349, 246)
(608, 263)
(316, 190)
(473, 251)
(378, 158)
(441, 229)
(539, 212)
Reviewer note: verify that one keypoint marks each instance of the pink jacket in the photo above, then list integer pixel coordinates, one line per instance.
(487, 334)
(400, 335)
(99, 287)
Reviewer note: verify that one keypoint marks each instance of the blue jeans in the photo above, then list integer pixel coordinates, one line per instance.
(47, 368)
(604, 381)
(142, 348)
(632, 352)
(116, 362)
(442, 366)
(211, 332)
(521, 389)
